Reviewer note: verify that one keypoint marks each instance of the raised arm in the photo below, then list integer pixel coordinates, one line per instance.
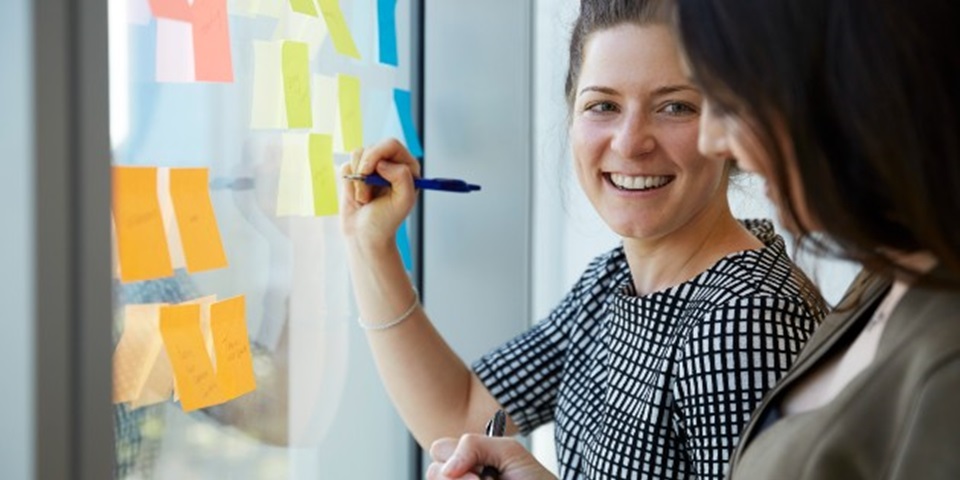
(433, 390)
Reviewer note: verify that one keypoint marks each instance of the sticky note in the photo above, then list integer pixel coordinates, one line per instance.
(177, 259)
(301, 28)
(405, 111)
(256, 8)
(196, 381)
(136, 352)
(296, 84)
(141, 242)
(323, 176)
(305, 7)
(295, 184)
(211, 41)
(206, 48)
(325, 101)
(190, 194)
(387, 31)
(174, 60)
(268, 109)
(337, 26)
(403, 244)
(232, 345)
(138, 12)
(159, 385)
(351, 117)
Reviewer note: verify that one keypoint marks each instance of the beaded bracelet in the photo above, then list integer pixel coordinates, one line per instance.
(395, 322)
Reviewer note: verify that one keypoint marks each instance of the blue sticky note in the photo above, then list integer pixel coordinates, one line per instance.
(387, 21)
(405, 111)
(403, 244)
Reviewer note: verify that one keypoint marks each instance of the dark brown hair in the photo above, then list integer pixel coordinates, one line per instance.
(603, 14)
(869, 94)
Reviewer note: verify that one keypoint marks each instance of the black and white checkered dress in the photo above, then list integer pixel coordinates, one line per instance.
(656, 386)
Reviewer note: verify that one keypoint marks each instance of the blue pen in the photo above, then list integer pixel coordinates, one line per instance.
(439, 184)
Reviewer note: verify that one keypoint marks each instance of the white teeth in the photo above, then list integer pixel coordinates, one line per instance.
(640, 182)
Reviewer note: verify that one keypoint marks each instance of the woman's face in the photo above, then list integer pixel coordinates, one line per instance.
(724, 137)
(634, 135)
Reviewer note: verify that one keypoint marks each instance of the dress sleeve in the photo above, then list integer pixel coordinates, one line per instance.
(524, 374)
(729, 360)
(927, 444)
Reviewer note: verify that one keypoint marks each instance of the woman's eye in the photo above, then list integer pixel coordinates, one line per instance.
(679, 108)
(601, 107)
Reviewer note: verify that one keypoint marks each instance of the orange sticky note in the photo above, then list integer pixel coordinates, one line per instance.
(234, 360)
(190, 194)
(192, 369)
(141, 239)
(351, 116)
(323, 176)
(136, 352)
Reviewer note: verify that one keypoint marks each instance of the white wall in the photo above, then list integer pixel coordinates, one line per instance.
(567, 231)
(16, 252)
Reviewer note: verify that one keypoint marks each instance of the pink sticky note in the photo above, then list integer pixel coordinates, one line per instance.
(211, 41)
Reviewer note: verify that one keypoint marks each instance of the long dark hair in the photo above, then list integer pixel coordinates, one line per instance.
(869, 95)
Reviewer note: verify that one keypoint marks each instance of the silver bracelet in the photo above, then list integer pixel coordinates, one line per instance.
(395, 322)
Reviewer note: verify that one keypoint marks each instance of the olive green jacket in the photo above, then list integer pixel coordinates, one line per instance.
(898, 419)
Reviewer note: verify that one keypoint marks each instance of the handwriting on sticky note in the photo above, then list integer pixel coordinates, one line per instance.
(193, 372)
(141, 241)
(323, 175)
(231, 342)
(190, 194)
(339, 31)
(351, 116)
(296, 84)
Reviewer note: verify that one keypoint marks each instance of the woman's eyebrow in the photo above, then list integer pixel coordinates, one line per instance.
(599, 89)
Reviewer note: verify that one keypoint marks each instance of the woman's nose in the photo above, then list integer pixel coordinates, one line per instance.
(634, 136)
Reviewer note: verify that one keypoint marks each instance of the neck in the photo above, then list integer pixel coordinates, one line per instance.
(663, 262)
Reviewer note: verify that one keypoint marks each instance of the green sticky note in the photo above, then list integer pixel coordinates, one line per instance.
(296, 84)
(305, 7)
(339, 31)
(323, 175)
(351, 117)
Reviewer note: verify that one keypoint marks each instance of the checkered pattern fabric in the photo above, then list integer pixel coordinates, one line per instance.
(657, 386)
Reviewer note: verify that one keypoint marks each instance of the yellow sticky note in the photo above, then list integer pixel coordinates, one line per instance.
(351, 115)
(190, 193)
(192, 369)
(339, 31)
(136, 352)
(141, 242)
(296, 84)
(294, 190)
(305, 7)
(323, 176)
(234, 360)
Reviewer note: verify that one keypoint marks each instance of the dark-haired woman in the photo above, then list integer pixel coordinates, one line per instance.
(652, 364)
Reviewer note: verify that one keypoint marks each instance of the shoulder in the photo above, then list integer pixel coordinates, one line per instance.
(605, 272)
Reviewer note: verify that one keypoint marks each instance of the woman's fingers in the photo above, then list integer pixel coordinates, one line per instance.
(391, 150)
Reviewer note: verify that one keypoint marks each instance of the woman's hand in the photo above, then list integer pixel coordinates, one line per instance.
(463, 459)
(371, 215)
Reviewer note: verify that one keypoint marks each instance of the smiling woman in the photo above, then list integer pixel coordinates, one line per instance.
(630, 364)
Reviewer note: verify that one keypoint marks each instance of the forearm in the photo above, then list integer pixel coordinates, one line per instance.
(434, 392)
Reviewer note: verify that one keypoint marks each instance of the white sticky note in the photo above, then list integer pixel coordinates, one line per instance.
(301, 28)
(177, 258)
(325, 107)
(268, 109)
(175, 61)
(294, 190)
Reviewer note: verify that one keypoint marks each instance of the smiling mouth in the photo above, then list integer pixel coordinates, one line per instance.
(638, 183)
